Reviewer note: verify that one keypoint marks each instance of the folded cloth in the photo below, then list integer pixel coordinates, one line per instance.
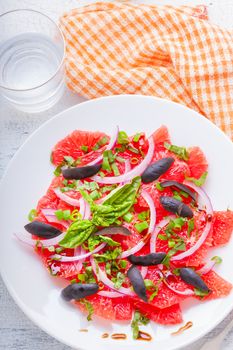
(165, 51)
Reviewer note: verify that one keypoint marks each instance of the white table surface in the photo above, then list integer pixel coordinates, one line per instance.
(16, 331)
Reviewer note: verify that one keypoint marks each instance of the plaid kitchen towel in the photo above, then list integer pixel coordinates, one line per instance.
(170, 52)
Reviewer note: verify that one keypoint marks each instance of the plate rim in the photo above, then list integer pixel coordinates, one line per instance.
(10, 289)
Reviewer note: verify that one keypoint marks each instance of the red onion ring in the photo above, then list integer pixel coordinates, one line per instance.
(51, 217)
(186, 292)
(154, 235)
(67, 259)
(26, 239)
(207, 267)
(103, 278)
(65, 198)
(147, 197)
(112, 142)
(137, 171)
(110, 294)
(144, 270)
(79, 265)
(209, 211)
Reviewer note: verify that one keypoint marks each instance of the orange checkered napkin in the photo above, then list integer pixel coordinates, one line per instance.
(165, 51)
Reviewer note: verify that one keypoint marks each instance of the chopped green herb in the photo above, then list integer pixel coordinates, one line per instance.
(73, 281)
(84, 149)
(51, 249)
(171, 243)
(108, 255)
(198, 182)
(57, 171)
(115, 169)
(123, 264)
(119, 280)
(69, 160)
(217, 259)
(58, 250)
(158, 186)
(174, 250)
(143, 215)
(184, 194)
(137, 136)
(90, 186)
(190, 226)
(181, 152)
(176, 272)
(95, 195)
(106, 165)
(87, 276)
(141, 226)
(149, 284)
(109, 188)
(177, 196)
(123, 138)
(162, 237)
(89, 308)
(137, 321)
(133, 150)
(200, 293)
(101, 174)
(62, 214)
(32, 214)
(120, 159)
(103, 141)
(128, 217)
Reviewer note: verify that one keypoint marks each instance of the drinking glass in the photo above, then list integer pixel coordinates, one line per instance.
(32, 50)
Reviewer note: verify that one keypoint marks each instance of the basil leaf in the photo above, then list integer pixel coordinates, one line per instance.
(77, 233)
(108, 255)
(181, 152)
(198, 182)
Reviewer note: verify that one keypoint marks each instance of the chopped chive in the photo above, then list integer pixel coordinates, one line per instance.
(69, 160)
(57, 171)
(162, 237)
(123, 138)
(32, 214)
(177, 196)
(106, 164)
(133, 150)
(59, 214)
(158, 186)
(141, 226)
(181, 152)
(171, 244)
(128, 217)
(95, 195)
(115, 169)
(120, 159)
(73, 281)
(103, 141)
(84, 149)
(111, 156)
(123, 264)
(143, 215)
(101, 174)
(137, 136)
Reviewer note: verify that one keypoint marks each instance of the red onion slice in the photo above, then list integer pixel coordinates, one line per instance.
(137, 171)
(65, 198)
(26, 238)
(209, 211)
(147, 197)
(127, 169)
(110, 294)
(144, 270)
(207, 267)
(79, 265)
(51, 217)
(63, 258)
(112, 142)
(103, 278)
(186, 292)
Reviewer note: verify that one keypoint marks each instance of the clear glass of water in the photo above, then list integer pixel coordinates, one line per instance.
(32, 51)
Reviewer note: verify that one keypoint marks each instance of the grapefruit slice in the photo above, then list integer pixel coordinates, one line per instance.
(72, 144)
(219, 287)
(222, 227)
(110, 308)
(161, 135)
(197, 162)
(168, 316)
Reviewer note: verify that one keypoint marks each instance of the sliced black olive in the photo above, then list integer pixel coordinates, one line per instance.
(189, 276)
(137, 281)
(81, 172)
(155, 170)
(42, 229)
(78, 291)
(114, 230)
(147, 260)
(180, 186)
(177, 207)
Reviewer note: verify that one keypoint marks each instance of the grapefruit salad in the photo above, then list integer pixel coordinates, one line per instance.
(126, 222)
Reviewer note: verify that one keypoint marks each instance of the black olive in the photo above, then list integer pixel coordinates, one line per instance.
(155, 170)
(114, 230)
(147, 260)
(137, 281)
(177, 207)
(189, 276)
(180, 186)
(81, 172)
(42, 229)
(78, 291)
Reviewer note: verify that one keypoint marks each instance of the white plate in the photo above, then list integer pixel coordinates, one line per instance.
(27, 178)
